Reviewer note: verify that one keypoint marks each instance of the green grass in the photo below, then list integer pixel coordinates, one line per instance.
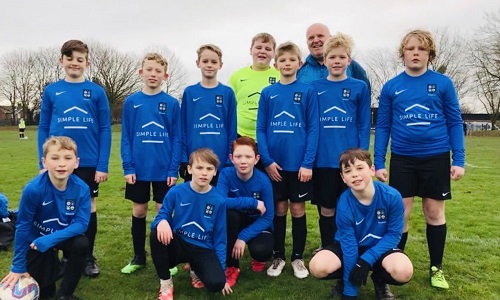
(472, 255)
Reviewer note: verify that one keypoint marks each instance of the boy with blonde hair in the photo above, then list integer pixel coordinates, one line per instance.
(208, 112)
(248, 82)
(53, 215)
(344, 108)
(419, 112)
(79, 108)
(191, 227)
(150, 149)
(287, 134)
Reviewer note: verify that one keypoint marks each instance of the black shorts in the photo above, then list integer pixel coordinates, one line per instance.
(427, 177)
(328, 186)
(290, 188)
(87, 174)
(337, 250)
(21, 129)
(140, 192)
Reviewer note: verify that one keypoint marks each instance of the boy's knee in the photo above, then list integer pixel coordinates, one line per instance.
(214, 284)
(80, 245)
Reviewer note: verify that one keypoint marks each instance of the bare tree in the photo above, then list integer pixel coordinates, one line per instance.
(116, 72)
(382, 65)
(177, 74)
(486, 62)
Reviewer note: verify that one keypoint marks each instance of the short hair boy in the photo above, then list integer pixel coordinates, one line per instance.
(78, 108)
(53, 215)
(247, 225)
(369, 218)
(208, 112)
(249, 81)
(344, 114)
(287, 134)
(150, 149)
(191, 227)
(420, 113)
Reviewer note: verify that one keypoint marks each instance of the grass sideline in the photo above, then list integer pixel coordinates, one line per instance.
(471, 263)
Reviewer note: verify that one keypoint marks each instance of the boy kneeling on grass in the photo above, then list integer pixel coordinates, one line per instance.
(54, 213)
(195, 233)
(370, 217)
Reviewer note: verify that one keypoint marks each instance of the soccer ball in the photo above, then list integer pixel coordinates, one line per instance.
(26, 288)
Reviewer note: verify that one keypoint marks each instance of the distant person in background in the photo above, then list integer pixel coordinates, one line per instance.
(419, 112)
(22, 128)
(465, 128)
(314, 67)
(78, 108)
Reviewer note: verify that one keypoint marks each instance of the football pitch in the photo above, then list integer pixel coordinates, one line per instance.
(471, 260)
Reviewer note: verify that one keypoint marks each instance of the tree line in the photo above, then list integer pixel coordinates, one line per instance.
(473, 63)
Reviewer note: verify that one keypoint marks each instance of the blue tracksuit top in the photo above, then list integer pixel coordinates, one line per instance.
(208, 121)
(376, 227)
(81, 112)
(151, 136)
(48, 216)
(421, 115)
(344, 119)
(288, 125)
(258, 187)
(199, 219)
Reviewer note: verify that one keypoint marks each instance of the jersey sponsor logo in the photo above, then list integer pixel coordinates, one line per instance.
(417, 118)
(185, 203)
(60, 93)
(381, 215)
(155, 134)
(46, 203)
(321, 93)
(87, 94)
(297, 97)
(196, 233)
(346, 94)
(285, 126)
(162, 107)
(335, 121)
(209, 126)
(209, 210)
(138, 105)
(196, 99)
(357, 223)
(219, 100)
(74, 121)
(399, 92)
(272, 80)
(302, 195)
(444, 194)
(273, 96)
(70, 205)
(431, 89)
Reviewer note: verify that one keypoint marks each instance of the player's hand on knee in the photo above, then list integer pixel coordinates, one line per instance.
(359, 273)
(227, 289)
(261, 207)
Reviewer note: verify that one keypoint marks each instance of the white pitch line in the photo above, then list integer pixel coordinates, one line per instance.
(474, 166)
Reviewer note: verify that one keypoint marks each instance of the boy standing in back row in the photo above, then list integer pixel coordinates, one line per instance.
(150, 149)
(78, 108)
(287, 133)
(208, 112)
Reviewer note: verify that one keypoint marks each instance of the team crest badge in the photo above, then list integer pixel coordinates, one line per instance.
(162, 107)
(219, 100)
(256, 195)
(381, 214)
(87, 94)
(70, 205)
(272, 80)
(209, 210)
(346, 94)
(431, 88)
(297, 97)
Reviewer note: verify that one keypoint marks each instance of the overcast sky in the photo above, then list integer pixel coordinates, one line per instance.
(184, 25)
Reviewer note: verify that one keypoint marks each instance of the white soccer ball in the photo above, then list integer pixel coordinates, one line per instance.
(26, 288)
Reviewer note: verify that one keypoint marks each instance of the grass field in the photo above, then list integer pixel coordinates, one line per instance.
(472, 255)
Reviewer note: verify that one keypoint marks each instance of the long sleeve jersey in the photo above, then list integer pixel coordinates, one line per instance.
(247, 85)
(375, 228)
(258, 187)
(344, 119)
(48, 216)
(311, 70)
(199, 219)
(208, 121)
(151, 136)
(81, 112)
(288, 125)
(421, 115)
